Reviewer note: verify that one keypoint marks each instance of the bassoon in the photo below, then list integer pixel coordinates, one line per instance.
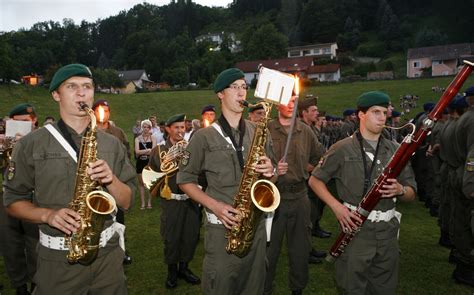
(399, 160)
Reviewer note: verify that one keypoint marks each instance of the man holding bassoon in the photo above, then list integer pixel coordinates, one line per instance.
(370, 263)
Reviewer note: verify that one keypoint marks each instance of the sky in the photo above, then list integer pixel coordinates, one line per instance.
(16, 14)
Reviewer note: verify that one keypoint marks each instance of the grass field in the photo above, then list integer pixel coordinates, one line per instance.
(423, 270)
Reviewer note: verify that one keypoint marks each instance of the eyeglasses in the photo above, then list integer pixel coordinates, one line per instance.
(238, 87)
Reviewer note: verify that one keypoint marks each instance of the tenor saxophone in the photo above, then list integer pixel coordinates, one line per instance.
(90, 201)
(254, 196)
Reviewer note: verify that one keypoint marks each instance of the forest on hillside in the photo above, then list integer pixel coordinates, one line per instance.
(162, 39)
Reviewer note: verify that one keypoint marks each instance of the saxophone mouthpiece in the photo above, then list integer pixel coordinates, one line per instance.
(244, 103)
(83, 105)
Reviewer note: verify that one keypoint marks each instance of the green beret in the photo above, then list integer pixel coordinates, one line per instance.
(175, 118)
(226, 78)
(373, 98)
(255, 107)
(67, 72)
(22, 109)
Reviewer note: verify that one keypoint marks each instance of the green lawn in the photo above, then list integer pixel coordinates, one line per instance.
(424, 267)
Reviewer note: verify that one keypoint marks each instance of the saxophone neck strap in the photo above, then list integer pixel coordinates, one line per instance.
(70, 150)
(238, 146)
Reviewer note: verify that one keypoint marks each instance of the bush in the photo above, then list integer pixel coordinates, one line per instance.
(363, 69)
(203, 83)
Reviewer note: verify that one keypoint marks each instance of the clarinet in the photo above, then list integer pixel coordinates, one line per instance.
(399, 160)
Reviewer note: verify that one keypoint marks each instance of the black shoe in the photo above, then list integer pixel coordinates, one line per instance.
(321, 233)
(22, 290)
(189, 277)
(296, 292)
(463, 276)
(127, 260)
(172, 279)
(318, 254)
(314, 260)
(186, 274)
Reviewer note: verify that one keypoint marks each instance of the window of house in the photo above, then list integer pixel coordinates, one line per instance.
(416, 64)
(327, 50)
(294, 53)
(306, 52)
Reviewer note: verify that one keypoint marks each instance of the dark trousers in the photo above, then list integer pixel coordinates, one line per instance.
(292, 219)
(18, 241)
(179, 229)
(224, 273)
(317, 207)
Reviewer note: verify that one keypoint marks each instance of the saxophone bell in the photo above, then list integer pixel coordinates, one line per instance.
(265, 195)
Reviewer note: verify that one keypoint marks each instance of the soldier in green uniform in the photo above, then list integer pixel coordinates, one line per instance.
(19, 238)
(45, 164)
(463, 204)
(369, 264)
(180, 221)
(348, 125)
(219, 151)
(292, 219)
(308, 111)
(468, 180)
(256, 113)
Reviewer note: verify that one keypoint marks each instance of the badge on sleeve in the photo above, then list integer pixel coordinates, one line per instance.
(185, 158)
(11, 170)
(470, 165)
(321, 161)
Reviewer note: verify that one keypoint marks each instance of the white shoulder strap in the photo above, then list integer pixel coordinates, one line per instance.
(218, 128)
(62, 141)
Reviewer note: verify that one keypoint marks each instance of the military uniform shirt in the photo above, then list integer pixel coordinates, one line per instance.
(343, 162)
(468, 179)
(209, 153)
(464, 134)
(304, 149)
(40, 163)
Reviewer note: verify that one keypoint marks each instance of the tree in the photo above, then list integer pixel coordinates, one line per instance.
(264, 42)
(430, 37)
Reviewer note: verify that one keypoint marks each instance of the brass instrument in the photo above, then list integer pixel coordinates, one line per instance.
(6, 149)
(155, 181)
(254, 196)
(90, 201)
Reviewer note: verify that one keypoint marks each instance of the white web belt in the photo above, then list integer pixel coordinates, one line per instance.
(377, 216)
(58, 243)
(179, 197)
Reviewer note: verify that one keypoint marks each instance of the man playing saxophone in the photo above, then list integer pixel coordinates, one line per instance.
(180, 222)
(220, 151)
(44, 162)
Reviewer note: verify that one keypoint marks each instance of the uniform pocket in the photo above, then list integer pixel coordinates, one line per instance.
(221, 162)
(60, 167)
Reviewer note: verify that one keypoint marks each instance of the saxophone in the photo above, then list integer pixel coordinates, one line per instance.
(90, 201)
(254, 196)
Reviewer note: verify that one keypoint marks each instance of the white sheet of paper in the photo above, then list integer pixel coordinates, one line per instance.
(274, 85)
(17, 127)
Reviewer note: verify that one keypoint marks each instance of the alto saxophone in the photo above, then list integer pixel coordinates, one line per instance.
(90, 201)
(254, 196)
